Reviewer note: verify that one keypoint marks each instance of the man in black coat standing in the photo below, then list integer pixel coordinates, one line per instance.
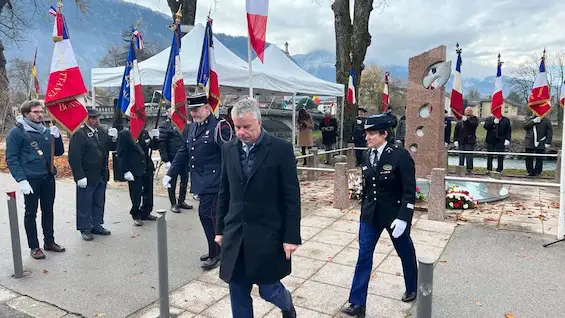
(539, 134)
(89, 149)
(447, 129)
(258, 215)
(358, 133)
(498, 138)
(170, 141)
(465, 137)
(328, 127)
(135, 160)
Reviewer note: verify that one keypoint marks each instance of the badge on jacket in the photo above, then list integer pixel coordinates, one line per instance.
(387, 167)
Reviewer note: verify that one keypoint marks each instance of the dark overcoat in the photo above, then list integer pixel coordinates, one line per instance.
(543, 135)
(88, 155)
(258, 213)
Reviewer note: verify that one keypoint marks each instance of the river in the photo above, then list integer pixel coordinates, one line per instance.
(481, 162)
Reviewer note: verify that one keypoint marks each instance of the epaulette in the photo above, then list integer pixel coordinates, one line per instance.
(389, 149)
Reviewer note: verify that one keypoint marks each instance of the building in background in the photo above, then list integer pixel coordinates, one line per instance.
(481, 108)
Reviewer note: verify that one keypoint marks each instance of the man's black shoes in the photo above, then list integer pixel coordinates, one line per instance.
(175, 208)
(87, 236)
(185, 206)
(408, 297)
(100, 230)
(354, 311)
(210, 263)
(204, 257)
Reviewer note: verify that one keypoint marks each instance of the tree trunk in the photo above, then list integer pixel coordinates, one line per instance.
(5, 110)
(360, 37)
(188, 10)
(343, 30)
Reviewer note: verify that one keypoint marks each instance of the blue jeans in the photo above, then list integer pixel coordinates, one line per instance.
(90, 206)
(368, 237)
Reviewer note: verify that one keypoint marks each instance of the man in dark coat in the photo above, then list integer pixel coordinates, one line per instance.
(499, 134)
(135, 160)
(465, 137)
(258, 217)
(447, 129)
(358, 133)
(389, 192)
(202, 152)
(89, 149)
(539, 134)
(28, 156)
(328, 127)
(401, 131)
(170, 141)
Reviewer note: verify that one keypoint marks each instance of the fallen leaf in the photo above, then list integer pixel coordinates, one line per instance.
(45, 271)
(509, 316)
(135, 235)
(100, 315)
(478, 303)
(442, 261)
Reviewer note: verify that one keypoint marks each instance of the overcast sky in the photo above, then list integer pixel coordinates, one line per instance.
(516, 28)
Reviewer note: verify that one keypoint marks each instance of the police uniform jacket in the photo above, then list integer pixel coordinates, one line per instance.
(543, 133)
(389, 187)
(88, 155)
(202, 151)
(358, 134)
(135, 157)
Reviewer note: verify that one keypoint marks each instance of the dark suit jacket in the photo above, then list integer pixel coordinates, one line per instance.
(544, 133)
(466, 131)
(497, 133)
(135, 157)
(258, 213)
(88, 156)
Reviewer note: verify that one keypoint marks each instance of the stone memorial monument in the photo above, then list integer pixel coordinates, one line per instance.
(425, 104)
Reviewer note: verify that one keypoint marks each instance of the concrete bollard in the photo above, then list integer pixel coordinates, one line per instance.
(460, 171)
(313, 162)
(341, 186)
(351, 159)
(558, 167)
(436, 196)
(340, 158)
(15, 235)
(425, 288)
(163, 263)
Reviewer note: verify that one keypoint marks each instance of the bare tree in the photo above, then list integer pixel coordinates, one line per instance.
(352, 37)
(371, 87)
(12, 27)
(473, 94)
(188, 10)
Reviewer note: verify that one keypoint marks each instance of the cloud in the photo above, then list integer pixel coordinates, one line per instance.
(516, 29)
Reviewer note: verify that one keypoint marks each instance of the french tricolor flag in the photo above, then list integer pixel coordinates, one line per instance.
(65, 83)
(457, 90)
(173, 87)
(351, 88)
(257, 11)
(207, 76)
(538, 101)
(385, 99)
(136, 108)
(562, 95)
(497, 97)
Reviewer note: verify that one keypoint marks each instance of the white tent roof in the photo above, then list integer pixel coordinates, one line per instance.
(233, 72)
(278, 64)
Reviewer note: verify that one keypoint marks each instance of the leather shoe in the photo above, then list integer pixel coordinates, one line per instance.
(354, 311)
(204, 257)
(210, 263)
(37, 253)
(149, 217)
(100, 230)
(86, 236)
(175, 208)
(54, 247)
(408, 297)
(185, 206)
(137, 222)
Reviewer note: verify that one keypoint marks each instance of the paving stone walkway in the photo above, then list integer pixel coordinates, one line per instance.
(322, 272)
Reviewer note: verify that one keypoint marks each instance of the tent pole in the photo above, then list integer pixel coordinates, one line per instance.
(341, 124)
(293, 124)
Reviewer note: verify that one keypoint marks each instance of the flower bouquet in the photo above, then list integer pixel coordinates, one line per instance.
(355, 187)
(458, 198)
(419, 195)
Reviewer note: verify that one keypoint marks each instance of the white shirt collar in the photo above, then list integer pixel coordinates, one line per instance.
(380, 149)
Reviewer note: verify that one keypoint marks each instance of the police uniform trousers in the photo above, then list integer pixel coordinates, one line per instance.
(141, 195)
(368, 237)
(182, 190)
(207, 214)
(43, 196)
(90, 206)
(240, 288)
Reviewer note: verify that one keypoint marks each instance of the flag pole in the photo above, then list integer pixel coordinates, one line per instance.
(249, 61)
(561, 221)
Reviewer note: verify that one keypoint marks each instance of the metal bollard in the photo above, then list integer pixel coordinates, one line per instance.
(425, 288)
(163, 264)
(15, 235)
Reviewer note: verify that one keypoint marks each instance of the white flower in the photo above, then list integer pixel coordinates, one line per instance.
(465, 206)
(450, 204)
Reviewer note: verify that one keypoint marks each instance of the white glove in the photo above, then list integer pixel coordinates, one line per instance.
(456, 144)
(55, 131)
(113, 132)
(507, 143)
(537, 120)
(154, 133)
(167, 182)
(128, 176)
(398, 227)
(25, 187)
(168, 165)
(496, 120)
(547, 146)
(445, 144)
(82, 183)
(464, 118)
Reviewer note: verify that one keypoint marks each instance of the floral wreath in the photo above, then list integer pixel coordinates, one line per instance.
(459, 198)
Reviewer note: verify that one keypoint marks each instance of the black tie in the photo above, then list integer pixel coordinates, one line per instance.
(96, 134)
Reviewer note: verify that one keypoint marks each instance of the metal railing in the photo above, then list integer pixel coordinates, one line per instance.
(524, 154)
(507, 182)
(315, 169)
